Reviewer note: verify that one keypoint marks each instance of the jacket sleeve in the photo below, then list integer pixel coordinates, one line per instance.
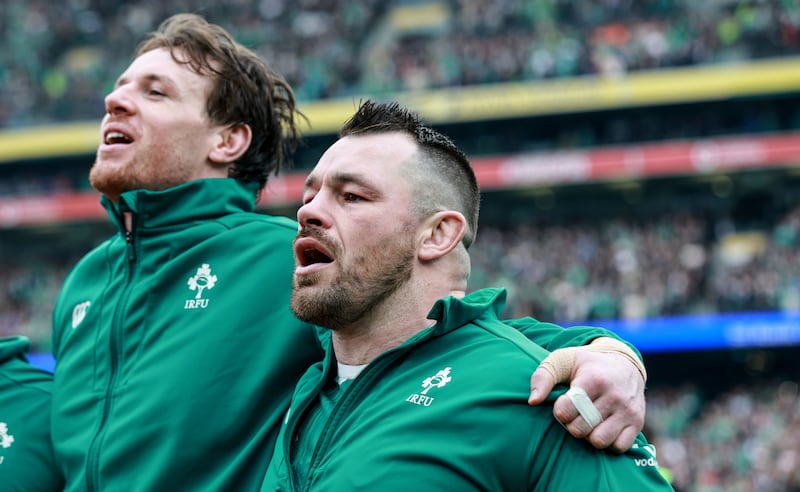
(574, 465)
(552, 336)
(27, 461)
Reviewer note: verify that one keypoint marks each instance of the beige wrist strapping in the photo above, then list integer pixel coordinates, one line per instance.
(561, 362)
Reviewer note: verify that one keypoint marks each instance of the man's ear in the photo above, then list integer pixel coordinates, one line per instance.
(231, 143)
(441, 232)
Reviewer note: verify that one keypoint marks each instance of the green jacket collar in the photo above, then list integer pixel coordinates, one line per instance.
(449, 313)
(452, 312)
(203, 199)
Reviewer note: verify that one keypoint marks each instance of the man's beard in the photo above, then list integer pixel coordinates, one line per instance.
(108, 181)
(357, 290)
(140, 173)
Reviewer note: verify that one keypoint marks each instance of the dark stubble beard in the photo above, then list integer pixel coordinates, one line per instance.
(363, 284)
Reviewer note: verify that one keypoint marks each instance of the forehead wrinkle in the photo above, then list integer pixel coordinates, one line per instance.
(341, 178)
(363, 151)
(338, 179)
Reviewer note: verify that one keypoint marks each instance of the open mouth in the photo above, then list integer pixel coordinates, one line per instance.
(309, 251)
(311, 256)
(116, 137)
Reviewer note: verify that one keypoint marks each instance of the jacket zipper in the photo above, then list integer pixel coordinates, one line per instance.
(292, 428)
(349, 400)
(93, 454)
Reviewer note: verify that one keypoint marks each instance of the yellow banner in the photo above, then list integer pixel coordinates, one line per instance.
(488, 102)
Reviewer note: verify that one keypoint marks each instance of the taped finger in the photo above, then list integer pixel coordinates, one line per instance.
(585, 407)
(560, 364)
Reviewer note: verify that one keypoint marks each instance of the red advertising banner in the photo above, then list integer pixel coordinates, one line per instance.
(50, 209)
(526, 170)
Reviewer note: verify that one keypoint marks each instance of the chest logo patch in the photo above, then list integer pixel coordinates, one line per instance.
(438, 380)
(79, 313)
(199, 282)
(6, 439)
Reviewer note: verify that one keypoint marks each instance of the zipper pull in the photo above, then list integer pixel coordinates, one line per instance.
(128, 221)
(131, 248)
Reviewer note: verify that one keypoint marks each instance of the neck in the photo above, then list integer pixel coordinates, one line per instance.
(398, 318)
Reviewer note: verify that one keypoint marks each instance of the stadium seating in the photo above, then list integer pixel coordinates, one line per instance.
(334, 48)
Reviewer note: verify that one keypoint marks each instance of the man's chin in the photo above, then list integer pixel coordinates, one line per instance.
(111, 190)
(305, 308)
(107, 181)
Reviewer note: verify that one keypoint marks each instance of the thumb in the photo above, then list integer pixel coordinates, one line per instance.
(555, 368)
(542, 383)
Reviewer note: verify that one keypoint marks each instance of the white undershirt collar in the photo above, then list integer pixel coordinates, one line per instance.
(346, 372)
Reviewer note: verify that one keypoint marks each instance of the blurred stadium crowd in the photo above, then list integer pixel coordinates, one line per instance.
(594, 270)
(569, 273)
(332, 48)
(742, 439)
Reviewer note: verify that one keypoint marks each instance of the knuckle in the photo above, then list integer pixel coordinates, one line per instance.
(578, 429)
(593, 383)
(563, 410)
(624, 440)
(599, 440)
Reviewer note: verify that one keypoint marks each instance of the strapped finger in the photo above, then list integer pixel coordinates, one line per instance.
(564, 410)
(585, 407)
(560, 364)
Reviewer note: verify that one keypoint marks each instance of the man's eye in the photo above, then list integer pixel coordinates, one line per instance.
(351, 197)
(154, 92)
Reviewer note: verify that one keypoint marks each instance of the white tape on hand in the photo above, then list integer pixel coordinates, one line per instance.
(585, 407)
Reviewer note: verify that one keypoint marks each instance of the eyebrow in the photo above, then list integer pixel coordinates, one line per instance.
(340, 179)
(152, 77)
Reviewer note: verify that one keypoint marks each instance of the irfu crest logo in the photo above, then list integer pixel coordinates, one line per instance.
(6, 439)
(202, 280)
(438, 380)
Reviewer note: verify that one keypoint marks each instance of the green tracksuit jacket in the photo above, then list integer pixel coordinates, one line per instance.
(447, 411)
(176, 351)
(27, 463)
